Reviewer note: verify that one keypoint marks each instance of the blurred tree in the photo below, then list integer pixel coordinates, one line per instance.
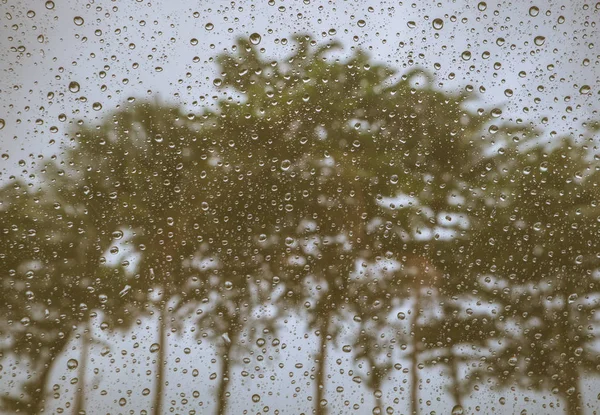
(52, 280)
(538, 262)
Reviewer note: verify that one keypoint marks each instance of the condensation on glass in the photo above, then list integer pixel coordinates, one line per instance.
(299, 207)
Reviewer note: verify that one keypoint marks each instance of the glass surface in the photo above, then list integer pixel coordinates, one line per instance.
(299, 207)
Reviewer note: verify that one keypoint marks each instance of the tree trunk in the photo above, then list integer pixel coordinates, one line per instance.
(573, 401)
(38, 394)
(570, 379)
(225, 366)
(160, 361)
(414, 356)
(321, 360)
(455, 387)
(379, 404)
(79, 404)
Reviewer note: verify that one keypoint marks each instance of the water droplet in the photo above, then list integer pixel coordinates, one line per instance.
(97, 106)
(30, 14)
(466, 55)
(534, 11)
(255, 38)
(512, 361)
(49, 4)
(323, 403)
(154, 347)
(217, 82)
(482, 6)
(285, 165)
(228, 285)
(585, 89)
(361, 23)
(78, 20)
(347, 348)
(209, 26)
(411, 24)
(74, 87)
(438, 24)
(458, 410)
(256, 398)
(539, 40)
(194, 41)
(394, 179)
(401, 316)
(122, 402)
(72, 364)
(2, 123)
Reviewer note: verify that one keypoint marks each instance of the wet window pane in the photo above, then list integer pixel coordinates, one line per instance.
(299, 207)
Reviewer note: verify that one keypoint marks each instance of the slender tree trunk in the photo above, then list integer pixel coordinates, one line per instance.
(38, 394)
(321, 360)
(574, 401)
(225, 367)
(414, 356)
(379, 404)
(160, 361)
(79, 405)
(455, 387)
(570, 379)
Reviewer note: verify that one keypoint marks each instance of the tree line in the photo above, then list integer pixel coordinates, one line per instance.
(335, 190)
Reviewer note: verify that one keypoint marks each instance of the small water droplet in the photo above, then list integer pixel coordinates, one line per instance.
(539, 40)
(361, 23)
(49, 4)
(438, 24)
(78, 20)
(72, 364)
(209, 26)
(154, 347)
(466, 55)
(411, 24)
(256, 398)
(482, 6)
(285, 165)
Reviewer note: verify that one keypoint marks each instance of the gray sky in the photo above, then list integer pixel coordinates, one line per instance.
(121, 47)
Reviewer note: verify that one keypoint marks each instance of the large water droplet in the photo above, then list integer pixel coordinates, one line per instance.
(255, 38)
(539, 40)
(74, 87)
(534, 11)
(438, 24)
(458, 410)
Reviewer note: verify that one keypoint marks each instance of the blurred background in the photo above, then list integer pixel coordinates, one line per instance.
(299, 207)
